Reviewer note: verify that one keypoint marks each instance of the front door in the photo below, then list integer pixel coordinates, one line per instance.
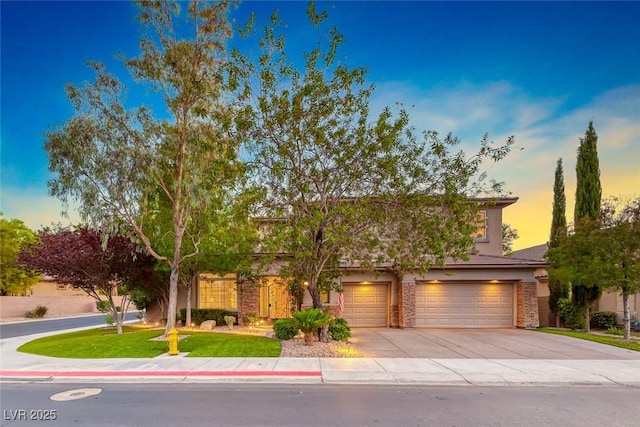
(275, 301)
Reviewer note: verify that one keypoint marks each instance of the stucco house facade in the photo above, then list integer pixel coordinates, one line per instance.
(487, 291)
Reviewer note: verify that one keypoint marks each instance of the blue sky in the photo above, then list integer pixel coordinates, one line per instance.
(536, 70)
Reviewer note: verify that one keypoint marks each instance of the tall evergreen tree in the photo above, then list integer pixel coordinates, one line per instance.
(558, 287)
(558, 216)
(588, 187)
(588, 200)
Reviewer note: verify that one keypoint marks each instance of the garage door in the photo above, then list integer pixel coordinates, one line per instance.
(366, 305)
(464, 305)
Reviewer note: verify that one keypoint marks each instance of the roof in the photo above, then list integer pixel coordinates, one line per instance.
(478, 261)
(533, 252)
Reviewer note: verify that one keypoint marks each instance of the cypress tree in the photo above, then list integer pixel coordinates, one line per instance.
(588, 198)
(588, 188)
(558, 287)
(558, 217)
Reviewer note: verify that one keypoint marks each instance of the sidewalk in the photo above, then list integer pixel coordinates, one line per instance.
(19, 367)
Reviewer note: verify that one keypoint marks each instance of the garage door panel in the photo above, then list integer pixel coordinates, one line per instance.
(464, 305)
(366, 305)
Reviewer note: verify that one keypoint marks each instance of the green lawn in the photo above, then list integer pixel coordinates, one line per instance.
(136, 343)
(602, 339)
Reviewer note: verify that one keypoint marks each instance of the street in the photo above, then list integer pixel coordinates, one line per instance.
(315, 405)
(10, 330)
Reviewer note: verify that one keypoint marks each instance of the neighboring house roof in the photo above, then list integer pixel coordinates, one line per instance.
(533, 252)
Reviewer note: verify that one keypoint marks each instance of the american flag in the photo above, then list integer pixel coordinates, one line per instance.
(340, 303)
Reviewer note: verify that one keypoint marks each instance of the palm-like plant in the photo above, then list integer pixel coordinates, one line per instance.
(309, 321)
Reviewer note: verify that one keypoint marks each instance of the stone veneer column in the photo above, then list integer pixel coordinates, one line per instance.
(248, 301)
(406, 303)
(527, 305)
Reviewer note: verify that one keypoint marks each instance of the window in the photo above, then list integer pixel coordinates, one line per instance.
(324, 297)
(218, 293)
(481, 224)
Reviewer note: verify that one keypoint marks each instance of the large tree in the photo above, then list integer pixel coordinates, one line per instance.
(14, 238)
(606, 250)
(587, 290)
(100, 265)
(122, 165)
(558, 285)
(342, 185)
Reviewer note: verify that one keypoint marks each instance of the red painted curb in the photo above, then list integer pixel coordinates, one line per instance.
(160, 374)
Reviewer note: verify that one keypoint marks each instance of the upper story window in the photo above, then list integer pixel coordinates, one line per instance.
(481, 224)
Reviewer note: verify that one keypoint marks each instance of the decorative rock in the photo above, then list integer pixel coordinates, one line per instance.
(208, 325)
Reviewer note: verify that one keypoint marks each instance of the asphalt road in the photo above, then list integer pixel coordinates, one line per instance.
(10, 330)
(315, 405)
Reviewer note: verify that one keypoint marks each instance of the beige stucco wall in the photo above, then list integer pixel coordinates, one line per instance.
(492, 245)
(14, 307)
(611, 301)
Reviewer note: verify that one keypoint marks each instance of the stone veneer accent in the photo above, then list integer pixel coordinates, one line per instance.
(527, 305)
(395, 316)
(406, 304)
(248, 301)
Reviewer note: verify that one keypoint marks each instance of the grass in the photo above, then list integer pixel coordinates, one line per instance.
(136, 343)
(602, 339)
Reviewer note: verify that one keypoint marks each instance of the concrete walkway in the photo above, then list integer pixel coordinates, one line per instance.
(469, 371)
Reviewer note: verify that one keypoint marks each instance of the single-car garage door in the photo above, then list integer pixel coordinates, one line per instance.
(365, 305)
(464, 305)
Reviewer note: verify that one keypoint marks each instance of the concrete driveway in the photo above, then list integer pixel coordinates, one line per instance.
(480, 344)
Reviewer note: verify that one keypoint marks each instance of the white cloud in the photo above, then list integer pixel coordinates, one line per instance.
(543, 128)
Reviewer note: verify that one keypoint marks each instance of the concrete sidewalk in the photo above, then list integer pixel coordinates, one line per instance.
(21, 367)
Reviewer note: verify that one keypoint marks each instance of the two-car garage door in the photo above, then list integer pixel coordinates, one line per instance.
(464, 305)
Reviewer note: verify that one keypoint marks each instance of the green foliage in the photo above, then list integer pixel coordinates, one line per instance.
(509, 235)
(229, 320)
(109, 320)
(285, 329)
(571, 315)
(199, 315)
(104, 306)
(604, 319)
(309, 321)
(15, 238)
(339, 182)
(588, 187)
(615, 331)
(37, 313)
(339, 330)
(141, 298)
(558, 215)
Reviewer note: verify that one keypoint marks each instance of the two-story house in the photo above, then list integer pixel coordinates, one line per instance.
(487, 291)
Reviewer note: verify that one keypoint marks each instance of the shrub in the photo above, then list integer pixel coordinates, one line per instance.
(251, 319)
(103, 306)
(229, 320)
(108, 319)
(570, 315)
(339, 330)
(309, 321)
(199, 315)
(37, 313)
(604, 319)
(285, 329)
(615, 331)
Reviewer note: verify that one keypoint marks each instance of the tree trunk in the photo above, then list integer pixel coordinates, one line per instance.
(587, 319)
(187, 320)
(558, 319)
(626, 316)
(324, 336)
(315, 293)
(172, 308)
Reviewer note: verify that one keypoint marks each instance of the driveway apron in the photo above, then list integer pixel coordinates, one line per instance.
(480, 344)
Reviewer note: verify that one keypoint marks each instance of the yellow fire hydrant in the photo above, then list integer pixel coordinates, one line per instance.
(173, 339)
